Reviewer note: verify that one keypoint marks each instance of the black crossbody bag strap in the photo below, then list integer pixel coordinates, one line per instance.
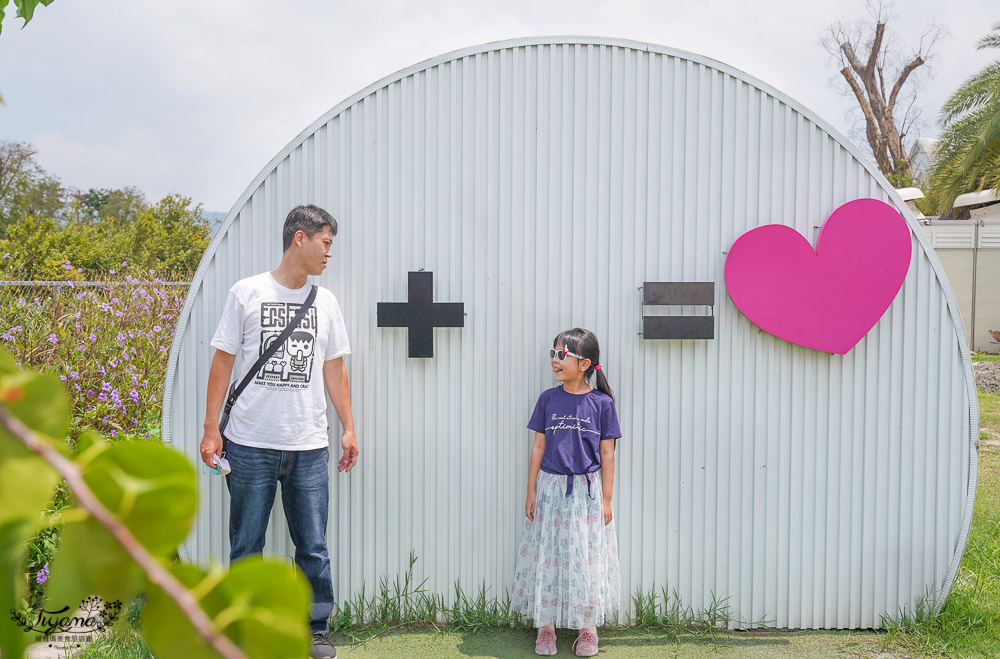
(235, 390)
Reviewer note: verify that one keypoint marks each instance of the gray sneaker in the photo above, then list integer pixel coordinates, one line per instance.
(322, 648)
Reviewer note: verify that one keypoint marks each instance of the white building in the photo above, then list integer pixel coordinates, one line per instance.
(544, 182)
(921, 158)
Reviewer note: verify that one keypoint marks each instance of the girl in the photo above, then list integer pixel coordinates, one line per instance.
(567, 573)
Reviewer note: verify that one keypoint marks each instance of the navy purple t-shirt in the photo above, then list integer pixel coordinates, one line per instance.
(574, 425)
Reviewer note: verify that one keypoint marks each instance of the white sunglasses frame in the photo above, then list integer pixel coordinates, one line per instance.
(553, 352)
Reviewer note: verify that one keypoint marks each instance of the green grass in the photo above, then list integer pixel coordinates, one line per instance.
(122, 640)
(969, 624)
(985, 357)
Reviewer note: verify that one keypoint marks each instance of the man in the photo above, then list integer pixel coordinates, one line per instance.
(277, 431)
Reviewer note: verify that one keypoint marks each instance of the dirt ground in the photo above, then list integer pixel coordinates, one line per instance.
(518, 643)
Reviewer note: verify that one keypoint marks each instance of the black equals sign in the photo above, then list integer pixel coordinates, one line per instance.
(676, 293)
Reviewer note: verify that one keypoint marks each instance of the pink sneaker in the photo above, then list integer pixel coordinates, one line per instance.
(585, 644)
(545, 643)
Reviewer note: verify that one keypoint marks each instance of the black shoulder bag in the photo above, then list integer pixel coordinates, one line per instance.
(234, 389)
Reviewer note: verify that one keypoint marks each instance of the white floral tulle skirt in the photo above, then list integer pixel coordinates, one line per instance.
(567, 571)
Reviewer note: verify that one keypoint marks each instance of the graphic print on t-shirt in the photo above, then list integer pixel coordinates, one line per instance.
(291, 364)
(571, 422)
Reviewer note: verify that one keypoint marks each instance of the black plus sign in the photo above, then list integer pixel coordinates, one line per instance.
(420, 314)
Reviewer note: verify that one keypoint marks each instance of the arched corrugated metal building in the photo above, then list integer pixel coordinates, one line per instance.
(543, 181)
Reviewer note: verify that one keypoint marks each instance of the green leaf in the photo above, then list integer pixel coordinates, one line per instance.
(39, 401)
(26, 483)
(89, 444)
(272, 602)
(7, 363)
(3, 6)
(262, 606)
(150, 487)
(26, 8)
(91, 562)
(167, 630)
(13, 535)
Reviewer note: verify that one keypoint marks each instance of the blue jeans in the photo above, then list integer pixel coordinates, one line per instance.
(305, 496)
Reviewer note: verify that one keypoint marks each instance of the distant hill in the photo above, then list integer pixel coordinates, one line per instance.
(214, 218)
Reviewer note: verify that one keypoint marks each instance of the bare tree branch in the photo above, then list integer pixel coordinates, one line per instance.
(903, 75)
(877, 76)
(871, 125)
(155, 572)
(876, 45)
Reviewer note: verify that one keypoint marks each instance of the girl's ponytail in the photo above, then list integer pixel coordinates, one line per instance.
(583, 342)
(602, 383)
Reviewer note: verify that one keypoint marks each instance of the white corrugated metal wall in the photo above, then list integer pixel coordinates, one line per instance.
(543, 181)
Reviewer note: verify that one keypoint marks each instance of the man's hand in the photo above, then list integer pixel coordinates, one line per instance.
(211, 445)
(350, 458)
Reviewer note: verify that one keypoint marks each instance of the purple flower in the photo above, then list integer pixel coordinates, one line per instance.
(120, 337)
(124, 264)
(38, 302)
(111, 272)
(115, 399)
(52, 339)
(43, 574)
(6, 255)
(7, 336)
(92, 337)
(80, 295)
(157, 328)
(163, 349)
(77, 387)
(73, 375)
(103, 397)
(134, 395)
(105, 387)
(120, 314)
(114, 433)
(76, 315)
(77, 325)
(62, 377)
(105, 306)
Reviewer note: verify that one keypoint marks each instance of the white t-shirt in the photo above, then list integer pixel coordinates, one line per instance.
(284, 406)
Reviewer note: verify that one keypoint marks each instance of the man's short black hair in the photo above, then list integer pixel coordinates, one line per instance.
(309, 219)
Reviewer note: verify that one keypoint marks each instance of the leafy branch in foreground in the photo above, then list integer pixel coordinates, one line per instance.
(135, 503)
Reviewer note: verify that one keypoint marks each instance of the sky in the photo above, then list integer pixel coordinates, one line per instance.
(196, 97)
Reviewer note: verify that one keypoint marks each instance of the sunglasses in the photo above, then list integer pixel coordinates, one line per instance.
(561, 354)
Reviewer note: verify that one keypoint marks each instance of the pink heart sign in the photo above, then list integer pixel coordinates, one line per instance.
(828, 298)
